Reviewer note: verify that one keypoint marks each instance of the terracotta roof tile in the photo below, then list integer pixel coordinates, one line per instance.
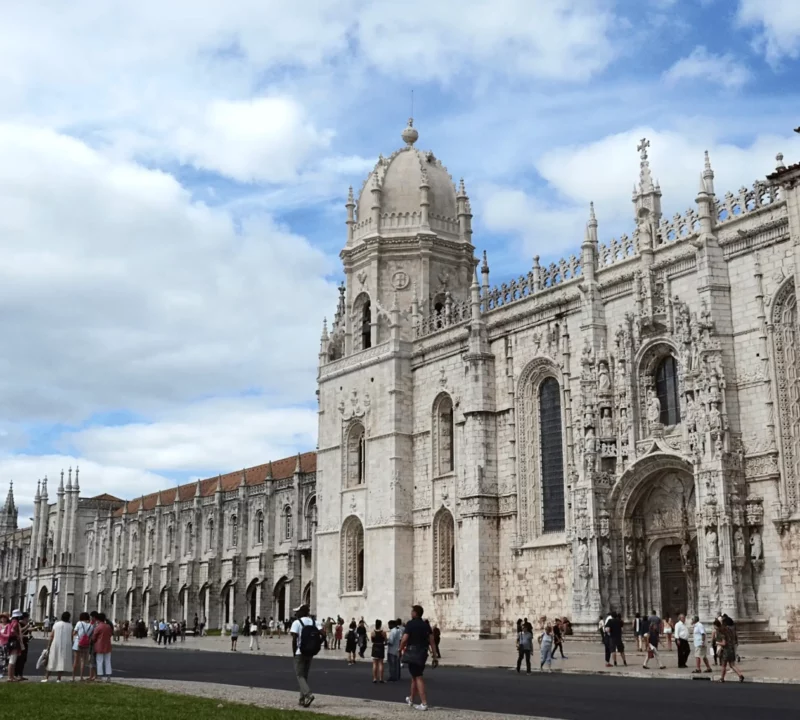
(281, 469)
(105, 497)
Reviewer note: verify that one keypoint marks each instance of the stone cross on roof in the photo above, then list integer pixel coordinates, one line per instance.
(644, 143)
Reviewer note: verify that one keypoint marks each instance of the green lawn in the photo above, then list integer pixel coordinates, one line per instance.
(37, 701)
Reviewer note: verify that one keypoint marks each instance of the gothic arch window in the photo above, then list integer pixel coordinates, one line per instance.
(135, 548)
(210, 534)
(151, 542)
(541, 457)
(356, 455)
(170, 539)
(443, 435)
(259, 539)
(666, 379)
(117, 546)
(444, 550)
(787, 370)
(234, 530)
(287, 523)
(362, 322)
(187, 539)
(311, 517)
(352, 555)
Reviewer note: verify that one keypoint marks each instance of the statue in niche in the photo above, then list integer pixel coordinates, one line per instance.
(583, 557)
(588, 417)
(686, 554)
(603, 377)
(628, 553)
(589, 442)
(738, 543)
(606, 425)
(653, 407)
(640, 555)
(711, 544)
(620, 375)
(691, 413)
(606, 558)
(755, 545)
(624, 422)
(714, 418)
(701, 420)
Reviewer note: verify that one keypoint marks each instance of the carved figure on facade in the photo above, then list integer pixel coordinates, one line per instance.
(756, 545)
(641, 555)
(628, 554)
(605, 558)
(738, 543)
(712, 551)
(606, 424)
(603, 378)
(653, 407)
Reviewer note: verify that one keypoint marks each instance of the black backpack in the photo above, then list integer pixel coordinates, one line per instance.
(310, 639)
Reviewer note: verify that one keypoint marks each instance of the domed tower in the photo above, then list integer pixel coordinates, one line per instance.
(409, 234)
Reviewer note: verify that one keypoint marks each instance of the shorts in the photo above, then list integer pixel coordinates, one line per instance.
(415, 670)
(616, 645)
(701, 652)
(12, 657)
(82, 654)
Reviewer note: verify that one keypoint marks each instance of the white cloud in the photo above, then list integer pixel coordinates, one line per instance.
(266, 139)
(778, 26)
(212, 436)
(721, 70)
(121, 292)
(605, 171)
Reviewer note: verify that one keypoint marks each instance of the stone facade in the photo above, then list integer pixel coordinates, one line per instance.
(227, 547)
(619, 429)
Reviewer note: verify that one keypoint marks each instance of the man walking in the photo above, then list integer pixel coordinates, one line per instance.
(682, 640)
(700, 647)
(306, 643)
(393, 650)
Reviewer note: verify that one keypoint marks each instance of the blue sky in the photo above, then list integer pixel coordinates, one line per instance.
(172, 180)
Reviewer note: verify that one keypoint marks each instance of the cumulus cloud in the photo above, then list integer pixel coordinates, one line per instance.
(722, 70)
(777, 26)
(121, 291)
(605, 170)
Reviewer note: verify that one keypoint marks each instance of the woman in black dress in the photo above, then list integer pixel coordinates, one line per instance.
(378, 652)
(350, 644)
(361, 631)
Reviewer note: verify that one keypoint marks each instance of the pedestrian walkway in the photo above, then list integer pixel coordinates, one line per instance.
(774, 662)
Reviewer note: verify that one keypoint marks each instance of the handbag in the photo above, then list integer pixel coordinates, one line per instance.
(42, 661)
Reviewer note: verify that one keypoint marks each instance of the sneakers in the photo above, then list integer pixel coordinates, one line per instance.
(409, 702)
(420, 707)
(309, 700)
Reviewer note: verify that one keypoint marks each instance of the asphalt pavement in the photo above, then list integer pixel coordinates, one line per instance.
(552, 695)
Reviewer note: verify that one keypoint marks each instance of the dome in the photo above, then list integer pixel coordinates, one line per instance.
(399, 178)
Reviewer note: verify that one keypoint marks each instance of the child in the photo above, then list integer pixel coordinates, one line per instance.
(350, 644)
(546, 644)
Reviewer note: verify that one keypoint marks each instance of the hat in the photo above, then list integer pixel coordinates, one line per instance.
(16, 614)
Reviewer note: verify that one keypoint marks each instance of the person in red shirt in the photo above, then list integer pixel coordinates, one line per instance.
(102, 646)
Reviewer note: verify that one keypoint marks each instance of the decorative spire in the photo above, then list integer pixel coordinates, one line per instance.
(243, 481)
(462, 190)
(779, 164)
(351, 201)
(485, 264)
(38, 495)
(75, 485)
(158, 499)
(69, 479)
(9, 506)
(61, 484)
(219, 483)
(708, 175)
(44, 487)
(645, 178)
(592, 216)
(269, 471)
(297, 465)
(409, 134)
(197, 489)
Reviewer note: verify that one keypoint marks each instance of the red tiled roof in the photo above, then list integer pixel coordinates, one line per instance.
(281, 469)
(105, 497)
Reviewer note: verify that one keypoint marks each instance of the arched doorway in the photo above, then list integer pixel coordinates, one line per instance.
(205, 603)
(253, 596)
(44, 603)
(307, 595)
(279, 597)
(227, 605)
(658, 543)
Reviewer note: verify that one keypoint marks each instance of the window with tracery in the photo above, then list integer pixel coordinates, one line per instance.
(170, 539)
(667, 391)
(541, 503)
(311, 518)
(352, 555)
(443, 435)
(259, 527)
(135, 548)
(362, 323)
(287, 523)
(234, 530)
(187, 540)
(444, 549)
(356, 455)
(787, 369)
(151, 542)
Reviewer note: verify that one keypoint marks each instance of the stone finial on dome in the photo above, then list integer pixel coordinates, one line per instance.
(410, 134)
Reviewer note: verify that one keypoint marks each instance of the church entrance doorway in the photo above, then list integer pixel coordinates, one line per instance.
(674, 589)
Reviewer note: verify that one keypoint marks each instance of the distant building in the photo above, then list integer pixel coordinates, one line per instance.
(222, 548)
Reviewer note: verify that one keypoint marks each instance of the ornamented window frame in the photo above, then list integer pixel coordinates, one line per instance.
(529, 470)
(310, 516)
(288, 530)
(259, 527)
(444, 551)
(188, 534)
(436, 436)
(357, 321)
(649, 360)
(210, 534)
(352, 544)
(234, 533)
(787, 374)
(359, 477)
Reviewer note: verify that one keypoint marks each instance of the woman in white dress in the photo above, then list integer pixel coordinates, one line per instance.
(59, 650)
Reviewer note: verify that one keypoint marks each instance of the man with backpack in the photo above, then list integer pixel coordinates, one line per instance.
(306, 643)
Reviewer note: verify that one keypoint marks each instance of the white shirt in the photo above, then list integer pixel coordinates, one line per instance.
(699, 635)
(681, 631)
(297, 629)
